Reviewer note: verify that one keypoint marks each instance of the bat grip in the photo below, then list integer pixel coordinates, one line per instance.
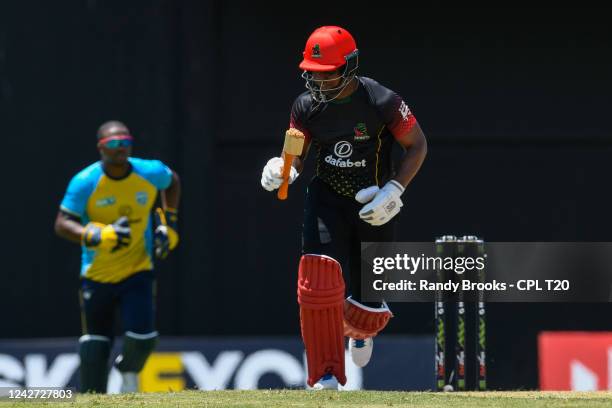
(284, 187)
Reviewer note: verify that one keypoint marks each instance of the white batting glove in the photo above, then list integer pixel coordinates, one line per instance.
(272, 174)
(382, 204)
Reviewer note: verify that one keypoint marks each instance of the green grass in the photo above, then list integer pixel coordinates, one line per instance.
(307, 399)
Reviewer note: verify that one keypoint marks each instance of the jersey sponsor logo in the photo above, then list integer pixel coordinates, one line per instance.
(404, 110)
(361, 132)
(343, 150)
(142, 197)
(105, 201)
(344, 163)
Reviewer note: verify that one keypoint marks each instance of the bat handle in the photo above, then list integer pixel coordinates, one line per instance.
(284, 187)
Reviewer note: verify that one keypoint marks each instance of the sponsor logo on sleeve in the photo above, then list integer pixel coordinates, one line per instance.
(404, 110)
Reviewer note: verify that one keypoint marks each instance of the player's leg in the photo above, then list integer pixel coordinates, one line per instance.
(137, 305)
(364, 320)
(326, 226)
(97, 311)
(321, 288)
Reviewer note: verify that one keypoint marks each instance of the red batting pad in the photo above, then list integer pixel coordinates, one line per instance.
(321, 297)
(361, 322)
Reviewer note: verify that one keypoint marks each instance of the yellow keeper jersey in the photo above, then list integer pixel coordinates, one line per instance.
(94, 196)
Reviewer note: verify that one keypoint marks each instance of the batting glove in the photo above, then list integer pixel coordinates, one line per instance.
(382, 204)
(272, 175)
(112, 236)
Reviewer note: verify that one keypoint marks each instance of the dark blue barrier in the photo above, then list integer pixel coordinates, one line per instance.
(399, 363)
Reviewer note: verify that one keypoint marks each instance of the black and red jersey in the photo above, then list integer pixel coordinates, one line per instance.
(354, 136)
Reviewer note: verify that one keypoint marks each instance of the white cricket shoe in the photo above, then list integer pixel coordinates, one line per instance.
(129, 382)
(361, 351)
(327, 382)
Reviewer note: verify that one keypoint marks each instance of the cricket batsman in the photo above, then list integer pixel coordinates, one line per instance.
(107, 210)
(355, 196)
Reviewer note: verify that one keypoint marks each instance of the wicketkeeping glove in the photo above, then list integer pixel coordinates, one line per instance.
(112, 236)
(166, 235)
(382, 204)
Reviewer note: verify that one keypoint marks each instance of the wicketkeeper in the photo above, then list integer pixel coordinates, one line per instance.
(355, 196)
(107, 209)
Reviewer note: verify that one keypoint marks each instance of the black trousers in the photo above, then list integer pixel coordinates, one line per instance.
(332, 227)
(134, 296)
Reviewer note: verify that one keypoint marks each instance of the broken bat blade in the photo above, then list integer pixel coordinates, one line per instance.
(294, 144)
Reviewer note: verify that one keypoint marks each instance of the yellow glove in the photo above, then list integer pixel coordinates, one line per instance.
(166, 235)
(112, 236)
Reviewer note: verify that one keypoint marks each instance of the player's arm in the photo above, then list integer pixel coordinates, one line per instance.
(296, 121)
(68, 226)
(166, 218)
(271, 176)
(415, 150)
(93, 235)
(298, 161)
(382, 204)
(172, 195)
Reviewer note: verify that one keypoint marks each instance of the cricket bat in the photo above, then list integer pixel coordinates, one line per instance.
(294, 144)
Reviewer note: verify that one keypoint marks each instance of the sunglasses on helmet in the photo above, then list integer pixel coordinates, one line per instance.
(116, 141)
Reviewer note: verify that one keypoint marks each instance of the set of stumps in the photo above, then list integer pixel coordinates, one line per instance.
(460, 322)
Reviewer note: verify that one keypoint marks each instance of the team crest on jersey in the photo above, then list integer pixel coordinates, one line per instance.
(142, 197)
(361, 132)
(316, 51)
(106, 201)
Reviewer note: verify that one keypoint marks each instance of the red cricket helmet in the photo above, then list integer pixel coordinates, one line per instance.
(327, 49)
